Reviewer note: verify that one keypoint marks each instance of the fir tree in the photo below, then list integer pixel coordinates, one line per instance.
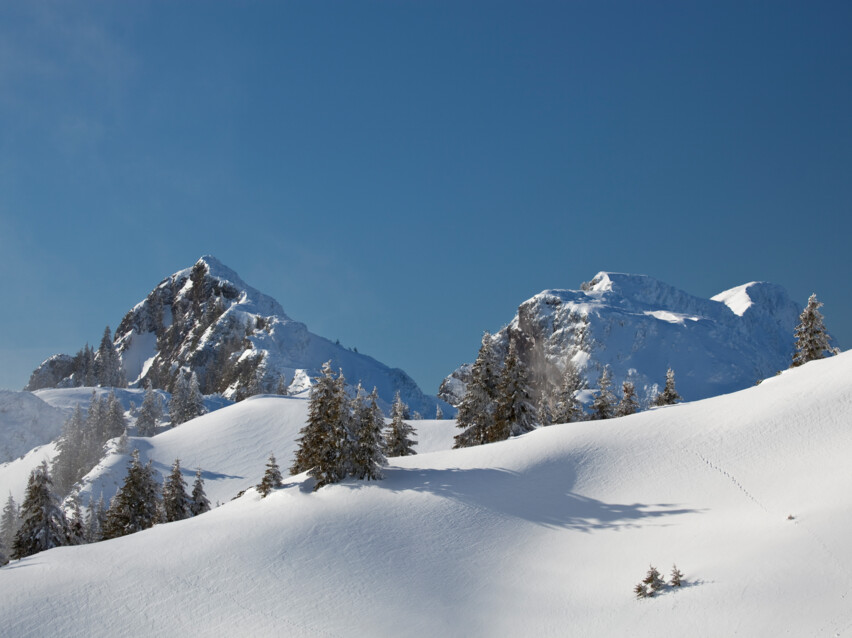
(325, 413)
(176, 503)
(650, 585)
(568, 408)
(514, 413)
(43, 524)
(282, 387)
(187, 401)
(669, 395)
(629, 404)
(76, 526)
(476, 411)
(676, 579)
(114, 422)
(9, 524)
(136, 505)
(398, 439)
(367, 456)
(198, 502)
(812, 341)
(95, 520)
(70, 457)
(603, 406)
(108, 364)
(271, 478)
(439, 413)
(150, 413)
(335, 446)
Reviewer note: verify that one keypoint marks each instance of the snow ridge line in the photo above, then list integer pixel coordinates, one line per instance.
(733, 480)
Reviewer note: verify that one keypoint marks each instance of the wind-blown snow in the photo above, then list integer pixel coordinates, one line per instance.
(543, 535)
(736, 299)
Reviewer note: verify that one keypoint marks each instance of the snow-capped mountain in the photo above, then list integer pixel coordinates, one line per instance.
(640, 326)
(237, 340)
(25, 422)
(545, 534)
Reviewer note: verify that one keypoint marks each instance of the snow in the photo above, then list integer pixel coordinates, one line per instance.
(542, 535)
(25, 422)
(736, 299)
(671, 317)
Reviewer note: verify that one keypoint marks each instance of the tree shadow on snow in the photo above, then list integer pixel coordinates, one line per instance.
(543, 497)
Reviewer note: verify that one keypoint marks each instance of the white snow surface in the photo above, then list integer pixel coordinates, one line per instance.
(542, 535)
(26, 421)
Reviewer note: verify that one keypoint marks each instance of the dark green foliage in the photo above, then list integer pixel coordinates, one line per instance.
(476, 411)
(176, 503)
(198, 501)
(669, 395)
(398, 439)
(812, 340)
(136, 505)
(271, 478)
(43, 525)
(514, 413)
(603, 407)
(320, 448)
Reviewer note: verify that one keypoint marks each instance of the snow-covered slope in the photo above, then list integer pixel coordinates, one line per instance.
(542, 535)
(239, 341)
(26, 422)
(640, 327)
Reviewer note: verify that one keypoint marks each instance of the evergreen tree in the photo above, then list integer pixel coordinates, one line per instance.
(150, 413)
(439, 413)
(9, 524)
(812, 341)
(43, 525)
(136, 505)
(70, 457)
(514, 413)
(367, 455)
(114, 422)
(476, 411)
(176, 502)
(76, 526)
(398, 439)
(108, 364)
(676, 579)
(335, 447)
(95, 520)
(187, 401)
(653, 581)
(271, 478)
(669, 395)
(282, 387)
(198, 502)
(568, 408)
(629, 404)
(603, 406)
(326, 411)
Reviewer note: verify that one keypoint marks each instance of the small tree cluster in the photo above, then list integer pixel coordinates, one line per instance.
(669, 395)
(653, 583)
(187, 402)
(136, 505)
(43, 524)
(342, 437)
(812, 340)
(108, 371)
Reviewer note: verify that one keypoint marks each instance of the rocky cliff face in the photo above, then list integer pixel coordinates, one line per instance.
(640, 326)
(237, 340)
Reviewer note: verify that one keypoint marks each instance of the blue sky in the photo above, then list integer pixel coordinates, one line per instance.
(401, 175)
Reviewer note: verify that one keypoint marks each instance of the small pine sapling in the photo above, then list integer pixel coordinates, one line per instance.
(653, 581)
(676, 579)
(271, 478)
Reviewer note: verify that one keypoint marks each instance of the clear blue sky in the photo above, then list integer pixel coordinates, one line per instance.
(401, 175)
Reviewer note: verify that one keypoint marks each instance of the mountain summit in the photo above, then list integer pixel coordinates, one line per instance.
(640, 326)
(237, 340)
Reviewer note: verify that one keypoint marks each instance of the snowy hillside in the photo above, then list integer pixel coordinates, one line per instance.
(26, 421)
(541, 535)
(239, 341)
(640, 327)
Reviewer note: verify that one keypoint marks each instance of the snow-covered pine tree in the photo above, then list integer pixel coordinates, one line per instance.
(271, 477)
(76, 525)
(603, 406)
(282, 387)
(812, 341)
(187, 401)
(439, 413)
(176, 503)
(150, 413)
(113, 419)
(514, 413)
(629, 404)
(568, 408)
(669, 395)
(198, 502)
(476, 411)
(335, 445)
(136, 505)
(9, 523)
(108, 364)
(367, 456)
(676, 579)
(398, 438)
(70, 457)
(325, 410)
(653, 581)
(95, 520)
(43, 525)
